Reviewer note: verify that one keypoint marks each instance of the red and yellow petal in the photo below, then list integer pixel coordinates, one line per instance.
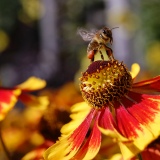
(138, 119)
(70, 142)
(127, 123)
(92, 145)
(147, 86)
(79, 113)
(8, 98)
(107, 123)
(108, 126)
(32, 84)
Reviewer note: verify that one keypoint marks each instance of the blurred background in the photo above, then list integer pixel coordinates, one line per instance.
(39, 37)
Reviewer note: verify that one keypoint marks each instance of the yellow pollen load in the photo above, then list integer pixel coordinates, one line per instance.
(105, 82)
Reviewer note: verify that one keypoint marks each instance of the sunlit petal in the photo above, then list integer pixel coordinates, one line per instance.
(135, 68)
(32, 84)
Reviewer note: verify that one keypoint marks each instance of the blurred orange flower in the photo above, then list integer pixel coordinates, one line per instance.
(37, 153)
(9, 96)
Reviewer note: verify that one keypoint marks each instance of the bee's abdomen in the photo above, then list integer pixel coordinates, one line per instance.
(93, 45)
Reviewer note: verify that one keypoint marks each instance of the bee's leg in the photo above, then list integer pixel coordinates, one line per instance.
(99, 50)
(102, 57)
(109, 53)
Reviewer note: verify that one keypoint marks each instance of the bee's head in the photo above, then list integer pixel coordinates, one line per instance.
(106, 34)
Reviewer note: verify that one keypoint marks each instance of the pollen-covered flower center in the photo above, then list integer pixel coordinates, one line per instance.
(105, 82)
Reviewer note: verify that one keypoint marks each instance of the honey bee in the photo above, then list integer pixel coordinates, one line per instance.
(98, 40)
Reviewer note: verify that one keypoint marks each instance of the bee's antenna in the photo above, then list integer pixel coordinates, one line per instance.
(114, 28)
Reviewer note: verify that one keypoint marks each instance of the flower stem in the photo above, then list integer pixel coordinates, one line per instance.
(139, 156)
(3, 145)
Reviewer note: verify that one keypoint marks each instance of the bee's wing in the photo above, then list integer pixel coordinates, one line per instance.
(86, 35)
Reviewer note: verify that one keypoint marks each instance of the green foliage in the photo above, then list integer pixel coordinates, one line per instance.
(150, 12)
(8, 13)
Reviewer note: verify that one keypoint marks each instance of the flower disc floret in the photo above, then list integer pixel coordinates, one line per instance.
(105, 82)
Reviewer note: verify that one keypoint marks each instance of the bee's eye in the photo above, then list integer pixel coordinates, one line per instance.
(104, 31)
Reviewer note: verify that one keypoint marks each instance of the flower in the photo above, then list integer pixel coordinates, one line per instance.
(127, 112)
(9, 96)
